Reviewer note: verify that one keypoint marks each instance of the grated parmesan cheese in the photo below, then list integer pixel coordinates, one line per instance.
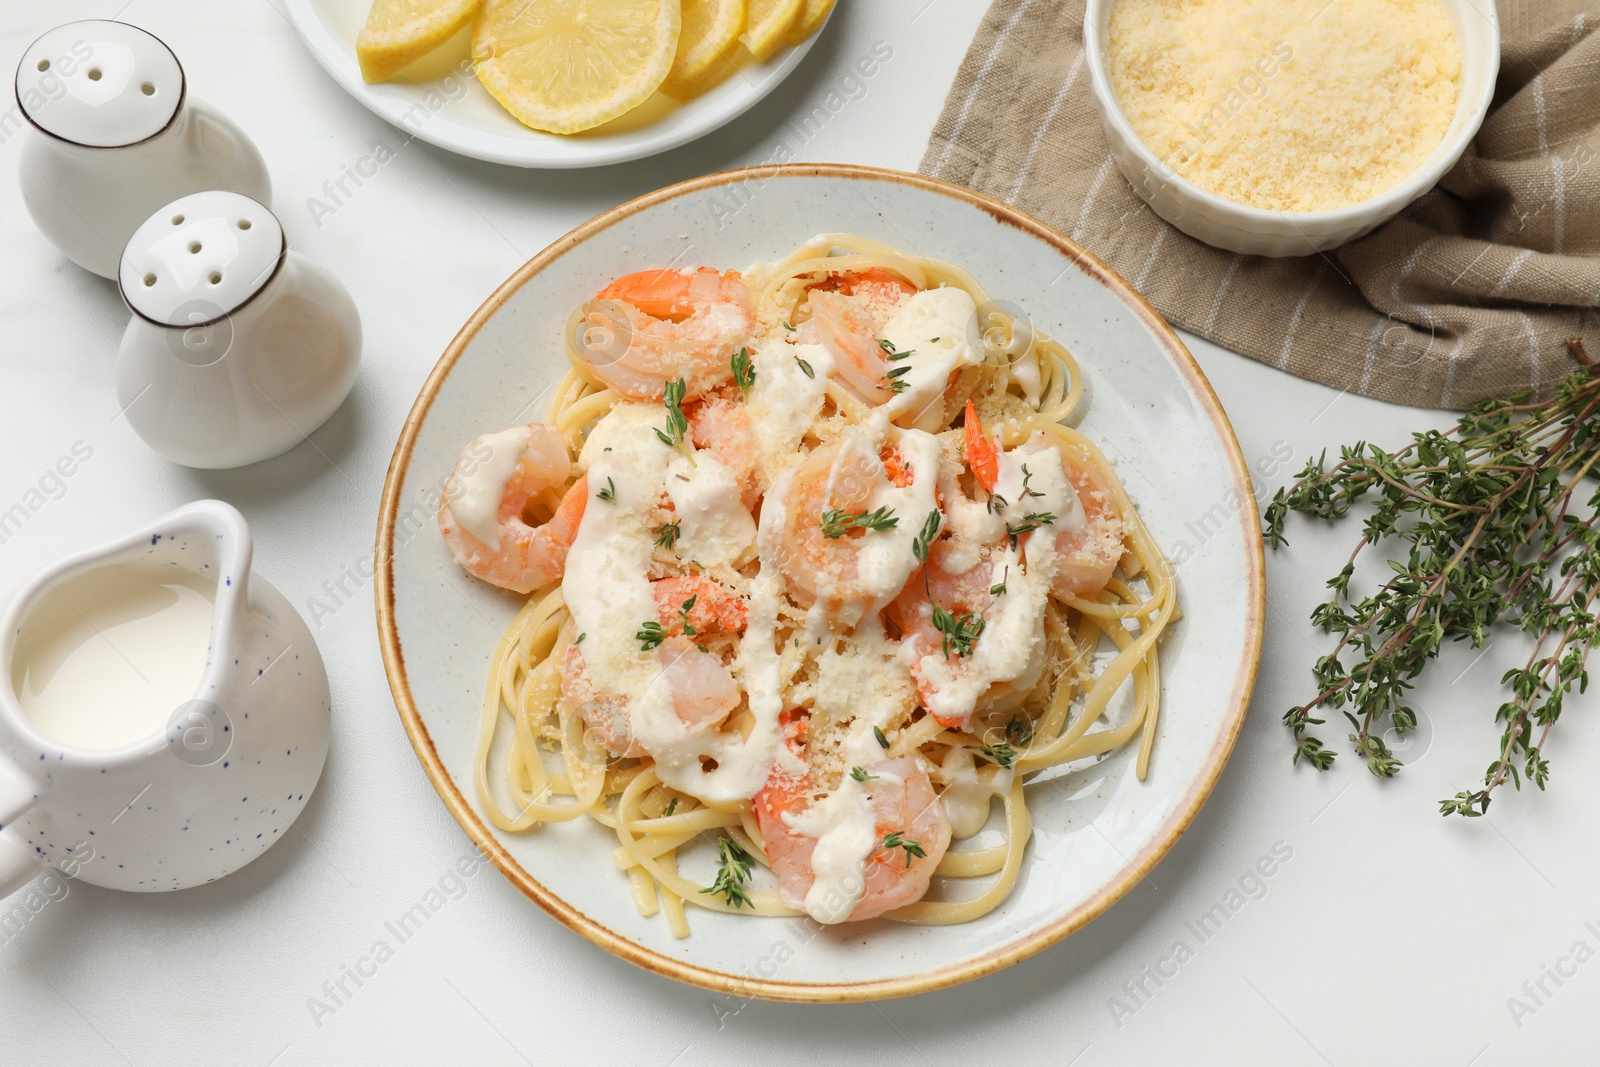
(1287, 105)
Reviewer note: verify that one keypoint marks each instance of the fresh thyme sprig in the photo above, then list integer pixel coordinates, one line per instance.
(1495, 524)
(913, 848)
(609, 493)
(667, 534)
(924, 540)
(1003, 753)
(744, 372)
(677, 422)
(960, 632)
(650, 636)
(805, 368)
(1030, 522)
(733, 871)
(1027, 476)
(999, 588)
(860, 775)
(683, 615)
(836, 523)
(1019, 731)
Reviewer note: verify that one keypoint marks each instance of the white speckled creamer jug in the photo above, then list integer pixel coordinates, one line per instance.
(116, 135)
(233, 766)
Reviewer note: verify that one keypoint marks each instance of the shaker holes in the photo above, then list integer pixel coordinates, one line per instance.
(244, 224)
(216, 277)
(44, 65)
(147, 89)
(149, 280)
(94, 74)
(194, 248)
(177, 220)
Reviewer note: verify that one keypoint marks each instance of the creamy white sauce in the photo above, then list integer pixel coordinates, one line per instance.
(607, 588)
(1010, 649)
(969, 790)
(1026, 373)
(846, 831)
(939, 328)
(884, 558)
(714, 526)
(971, 524)
(475, 493)
(784, 402)
(1044, 477)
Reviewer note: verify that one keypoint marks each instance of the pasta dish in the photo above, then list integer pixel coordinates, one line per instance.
(816, 570)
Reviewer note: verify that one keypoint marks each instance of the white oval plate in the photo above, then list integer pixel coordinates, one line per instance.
(1098, 829)
(461, 116)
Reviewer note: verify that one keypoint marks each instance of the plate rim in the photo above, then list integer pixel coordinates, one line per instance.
(708, 978)
(304, 18)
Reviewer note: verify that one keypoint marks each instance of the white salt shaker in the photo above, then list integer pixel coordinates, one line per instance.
(116, 135)
(238, 347)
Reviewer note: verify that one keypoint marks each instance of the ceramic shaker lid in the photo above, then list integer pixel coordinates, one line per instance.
(201, 257)
(101, 84)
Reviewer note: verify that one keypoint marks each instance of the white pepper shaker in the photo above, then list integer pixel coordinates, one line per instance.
(115, 135)
(238, 347)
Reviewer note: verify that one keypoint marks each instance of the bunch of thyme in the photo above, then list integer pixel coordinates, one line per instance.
(1496, 520)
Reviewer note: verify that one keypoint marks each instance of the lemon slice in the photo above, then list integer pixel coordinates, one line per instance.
(399, 32)
(570, 65)
(710, 37)
(812, 16)
(769, 23)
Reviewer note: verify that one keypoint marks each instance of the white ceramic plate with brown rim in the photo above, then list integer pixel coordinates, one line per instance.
(438, 100)
(1097, 829)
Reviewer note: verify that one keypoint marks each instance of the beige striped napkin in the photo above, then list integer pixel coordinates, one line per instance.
(1469, 293)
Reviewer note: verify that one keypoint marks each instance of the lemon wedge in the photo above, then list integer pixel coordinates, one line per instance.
(769, 25)
(399, 32)
(812, 16)
(570, 65)
(706, 48)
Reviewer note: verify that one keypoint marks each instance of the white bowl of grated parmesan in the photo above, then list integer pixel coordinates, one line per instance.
(1287, 127)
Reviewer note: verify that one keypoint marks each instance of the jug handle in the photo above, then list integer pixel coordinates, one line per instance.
(19, 863)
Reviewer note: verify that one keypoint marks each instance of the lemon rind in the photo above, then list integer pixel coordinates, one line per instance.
(767, 39)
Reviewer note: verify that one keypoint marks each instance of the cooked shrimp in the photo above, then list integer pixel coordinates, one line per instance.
(874, 283)
(969, 599)
(1087, 557)
(481, 515)
(837, 478)
(722, 427)
(647, 329)
(903, 809)
(689, 609)
(1086, 554)
(709, 605)
(845, 328)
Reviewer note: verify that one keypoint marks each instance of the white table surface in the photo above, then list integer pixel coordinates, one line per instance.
(1389, 936)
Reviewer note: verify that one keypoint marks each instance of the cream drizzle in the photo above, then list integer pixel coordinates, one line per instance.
(475, 494)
